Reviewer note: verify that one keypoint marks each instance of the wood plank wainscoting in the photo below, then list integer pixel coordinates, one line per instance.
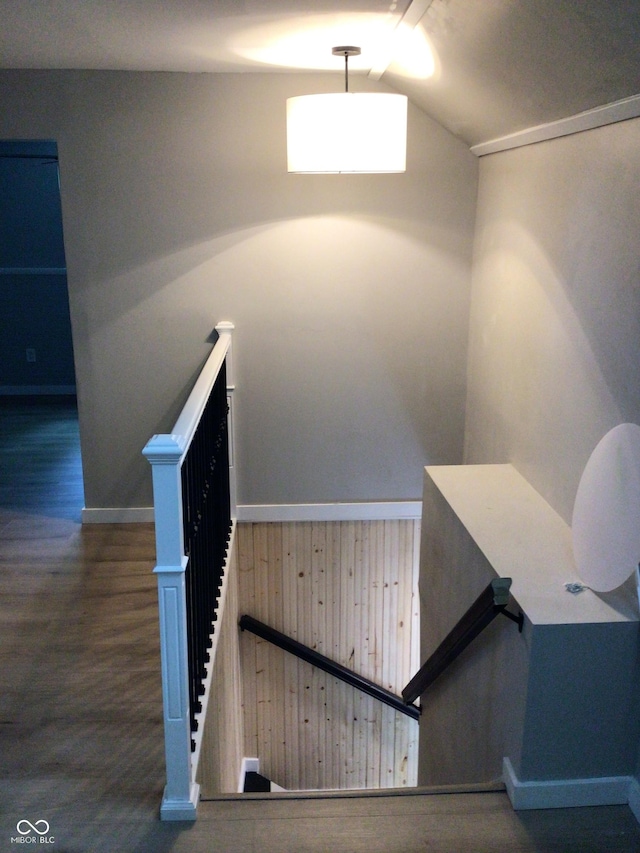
(348, 590)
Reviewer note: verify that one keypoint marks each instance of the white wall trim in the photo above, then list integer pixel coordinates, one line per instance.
(565, 793)
(598, 117)
(132, 515)
(248, 765)
(383, 510)
(365, 511)
(33, 270)
(634, 798)
(36, 390)
(416, 11)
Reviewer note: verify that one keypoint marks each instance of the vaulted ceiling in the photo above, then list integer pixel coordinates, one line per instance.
(483, 68)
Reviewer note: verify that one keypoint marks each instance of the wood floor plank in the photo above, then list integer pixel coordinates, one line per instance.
(40, 462)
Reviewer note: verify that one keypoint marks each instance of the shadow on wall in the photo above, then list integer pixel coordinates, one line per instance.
(552, 368)
(349, 358)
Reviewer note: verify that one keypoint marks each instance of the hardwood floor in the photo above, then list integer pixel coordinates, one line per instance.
(80, 712)
(40, 465)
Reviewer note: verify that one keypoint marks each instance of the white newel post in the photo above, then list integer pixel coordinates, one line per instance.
(181, 793)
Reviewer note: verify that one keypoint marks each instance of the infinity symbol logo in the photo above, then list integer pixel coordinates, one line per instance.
(33, 827)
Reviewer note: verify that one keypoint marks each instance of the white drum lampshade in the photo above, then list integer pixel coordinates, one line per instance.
(347, 132)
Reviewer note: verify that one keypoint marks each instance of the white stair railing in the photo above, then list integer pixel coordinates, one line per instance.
(166, 454)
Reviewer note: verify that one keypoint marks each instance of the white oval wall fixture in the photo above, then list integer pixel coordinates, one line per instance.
(347, 132)
(606, 512)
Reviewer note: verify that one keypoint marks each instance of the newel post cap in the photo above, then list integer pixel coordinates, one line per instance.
(164, 449)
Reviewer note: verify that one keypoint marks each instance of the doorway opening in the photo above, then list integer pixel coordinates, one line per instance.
(40, 446)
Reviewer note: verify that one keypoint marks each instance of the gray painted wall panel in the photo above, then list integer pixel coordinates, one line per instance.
(554, 353)
(349, 293)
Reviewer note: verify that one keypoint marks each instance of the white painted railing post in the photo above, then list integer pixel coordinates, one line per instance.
(180, 799)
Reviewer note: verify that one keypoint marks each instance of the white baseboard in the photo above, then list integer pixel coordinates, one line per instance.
(565, 793)
(365, 511)
(247, 765)
(252, 765)
(132, 515)
(36, 390)
(373, 511)
(634, 798)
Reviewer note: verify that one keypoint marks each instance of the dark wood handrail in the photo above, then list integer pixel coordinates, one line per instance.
(248, 623)
(491, 602)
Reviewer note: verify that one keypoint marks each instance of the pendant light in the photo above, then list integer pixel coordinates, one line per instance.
(347, 132)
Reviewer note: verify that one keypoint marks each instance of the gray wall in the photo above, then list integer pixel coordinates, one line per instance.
(554, 347)
(349, 293)
(554, 352)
